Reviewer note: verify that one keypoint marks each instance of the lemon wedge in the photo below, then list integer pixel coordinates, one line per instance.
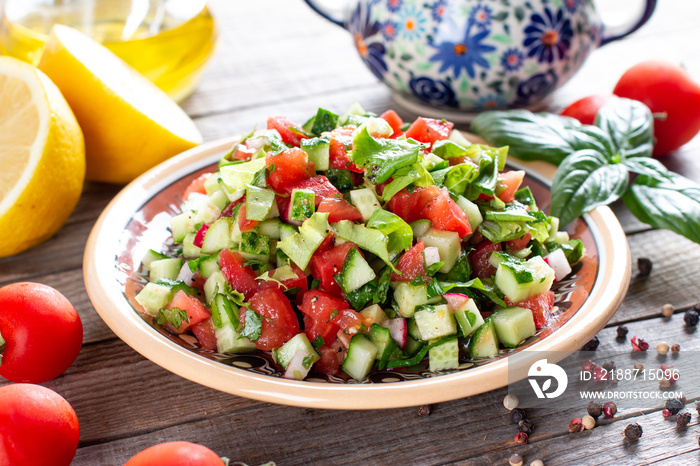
(129, 124)
(42, 155)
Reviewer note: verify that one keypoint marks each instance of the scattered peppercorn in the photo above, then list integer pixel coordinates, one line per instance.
(540, 463)
(588, 422)
(592, 344)
(595, 409)
(521, 438)
(667, 310)
(622, 331)
(600, 374)
(424, 410)
(674, 405)
(691, 318)
(662, 347)
(588, 366)
(609, 366)
(639, 366)
(526, 426)
(666, 413)
(644, 266)
(639, 344)
(675, 348)
(517, 415)
(683, 399)
(516, 460)
(576, 425)
(633, 432)
(664, 383)
(682, 419)
(511, 402)
(610, 409)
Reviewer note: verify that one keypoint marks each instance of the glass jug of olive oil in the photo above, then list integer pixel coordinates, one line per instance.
(168, 41)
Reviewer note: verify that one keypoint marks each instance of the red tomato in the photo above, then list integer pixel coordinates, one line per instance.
(341, 141)
(325, 264)
(518, 244)
(204, 331)
(666, 88)
(429, 130)
(349, 321)
(446, 215)
(279, 323)
(37, 426)
(228, 210)
(196, 311)
(319, 185)
(241, 278)
(42, 331)
(196, 186)
(329, 362)
(586, 109)
(409, 206)
(394, 121)
(176, 454)
(411, 264)
(282, 125)
(339, 209)
(243, 223)
(316, 328)
(243, 152)
(511, 180)
(299, 282)
(290, 166)
(479, 258)
(540, 305)
(320, 306)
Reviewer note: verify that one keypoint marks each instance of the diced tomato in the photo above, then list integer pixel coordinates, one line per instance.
(199, 237)
(282, 124)
(329, 362)
(326, 244)
(317, 328)
(429, 130)
(540, 305)
(394, 121)
(380, 187)
(243, 152)
(479, 258)
(518, 244)
(319, 185)
(511, 180)
(320, 306)
(228, 210)
(411, 264)
(328, 263)
(341, 139)
(243, 223)
(204, 331)
(446, 215)
(241, 278)
(286, 168)
(409, 206)
(300, 282)
(195, 310)
(279, 323)
(349, 321)
(196, 186)
(339, 209)
(198, 281)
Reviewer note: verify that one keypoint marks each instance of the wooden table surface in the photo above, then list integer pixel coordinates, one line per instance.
(276, 57)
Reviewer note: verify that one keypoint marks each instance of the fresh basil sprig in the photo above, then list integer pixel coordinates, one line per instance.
(595, 163)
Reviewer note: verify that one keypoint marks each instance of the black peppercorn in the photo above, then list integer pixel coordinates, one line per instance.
(424, 410)
(622, 331)
(517, 415)
(674, 406)
(682, 419)
(633, 432)
(609, 366)
(526, 426)
(595, 409)
(691, 318)
(644, 266)
(592, 345)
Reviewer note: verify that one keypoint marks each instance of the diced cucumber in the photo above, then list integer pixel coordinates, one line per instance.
(471, 210)
(182, 224)
(513, 325)
(209, 265)
(561, 237)
(219, 200)
(365, 201)
(318, 150)
(412, 346)
(218, 237)
(376, 127)
(228, 340)
(484, 342)
(211, 185)
(270, 227)
(152, 256)
(355, 272)
(520, 280)
(457, 137)
(447, 242)
(220, 305)
(420, 227)
(381, 337)
(553, 228)
(299, 342)
(215, 284)
(413, 329)
(286, 231)
(207, 213)
(444, 356)
(374, 313)
(154, 297)
(240, 175)
(165, 268)
(360, 357)
(254, 244)
(435, 322)
(301, 205)
(258, 202)
(432, 162)
(189, 250)
(469, 318)
(408, 296)
(301, 246)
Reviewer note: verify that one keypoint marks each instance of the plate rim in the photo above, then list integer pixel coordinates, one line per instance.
(614, 272)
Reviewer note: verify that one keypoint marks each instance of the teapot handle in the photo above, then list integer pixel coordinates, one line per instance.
(648, 10)
(324, 11)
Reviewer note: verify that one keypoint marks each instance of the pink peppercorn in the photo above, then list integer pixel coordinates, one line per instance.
(638, 344)
(609, 409)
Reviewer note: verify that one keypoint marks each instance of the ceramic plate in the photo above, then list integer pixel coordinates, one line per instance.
(138, 219)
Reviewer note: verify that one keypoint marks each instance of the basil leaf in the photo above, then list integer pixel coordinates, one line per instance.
(360, 297)
(382, 157)
(399, 232)
(324, 121)
(459, 177)
(586, 180)
(252, 328)
(540, 136)
(646, 166)
(447, 149)
(382, 286)
(630, 126)
(671, 202)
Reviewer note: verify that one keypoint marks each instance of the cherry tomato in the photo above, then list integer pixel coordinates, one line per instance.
(176, 454)
(585, 110)
(42, 332)
(37, 427)
(666, 88)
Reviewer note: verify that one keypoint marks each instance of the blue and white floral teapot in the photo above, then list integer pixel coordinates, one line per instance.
(472, 55)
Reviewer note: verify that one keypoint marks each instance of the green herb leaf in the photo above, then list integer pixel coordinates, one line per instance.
(383, 283)
(584, 181)
(360, 297)
(318, 342)
(630, 126)
(433, 268)
(174, 316)
(252, 328)
(307, 361)
(382, 157)
(399, 232)
(324, 121)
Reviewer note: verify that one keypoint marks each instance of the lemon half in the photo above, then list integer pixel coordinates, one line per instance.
(42, 157)
(130, 125)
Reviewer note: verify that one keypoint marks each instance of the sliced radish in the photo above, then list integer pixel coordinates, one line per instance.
(557, 261)
(398, 330)
(432, 255)
(295, 368)
(186, 275)
(199, 237)
(456, 300)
